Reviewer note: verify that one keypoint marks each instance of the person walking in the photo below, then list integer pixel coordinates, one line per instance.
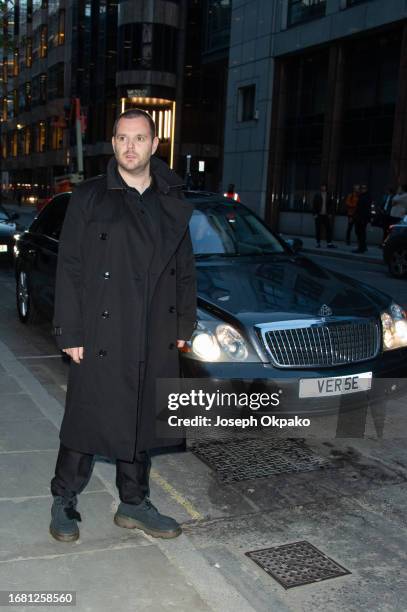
(232, 193)
(125, 300)
(362, 217)
(399, 204)
(386, 207)
(351, 202)
(323, 208)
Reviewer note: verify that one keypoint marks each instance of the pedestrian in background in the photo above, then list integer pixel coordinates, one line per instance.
(362, 218)
(323, 208)
(232, 193)
(399, 204)
(351, 202)
(386, 207)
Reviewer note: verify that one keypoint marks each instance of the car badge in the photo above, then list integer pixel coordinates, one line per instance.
(325, 311)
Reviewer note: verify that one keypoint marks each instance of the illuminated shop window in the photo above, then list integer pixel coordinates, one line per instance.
(27, 140)
(41, 137)
(15, 62)
(43, 41)
(162, 112)
(29, 52)
(4, 146)
(14, 143)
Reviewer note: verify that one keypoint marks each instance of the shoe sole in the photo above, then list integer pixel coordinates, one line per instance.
(129, 523)
(64, 537)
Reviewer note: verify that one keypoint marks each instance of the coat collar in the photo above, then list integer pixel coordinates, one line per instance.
(166, 180)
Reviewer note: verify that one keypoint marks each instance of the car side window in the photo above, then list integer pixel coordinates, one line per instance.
(50, 221)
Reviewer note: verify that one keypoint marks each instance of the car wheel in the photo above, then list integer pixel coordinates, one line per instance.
(398, 263)
(26, 309)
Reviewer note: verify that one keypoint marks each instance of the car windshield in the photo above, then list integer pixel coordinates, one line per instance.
(226, 230)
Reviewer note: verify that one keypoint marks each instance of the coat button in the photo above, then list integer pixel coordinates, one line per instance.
(105, 314)
(172, 271)
(103, 235)
(102, 353)
(171, 309)
(106, 275)
(171, 346)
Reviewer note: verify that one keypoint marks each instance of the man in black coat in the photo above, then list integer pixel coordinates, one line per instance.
(362, 218)
(125, 300)
(323, 208)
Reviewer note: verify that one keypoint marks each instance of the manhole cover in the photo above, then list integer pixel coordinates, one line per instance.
(253, 458)
(297, 564)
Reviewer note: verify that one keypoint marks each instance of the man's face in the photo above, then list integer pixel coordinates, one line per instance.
(133, 145)
(356, 188)
(323, 188)
(364, 188)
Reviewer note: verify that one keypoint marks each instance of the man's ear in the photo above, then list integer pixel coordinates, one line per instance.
(156, 142)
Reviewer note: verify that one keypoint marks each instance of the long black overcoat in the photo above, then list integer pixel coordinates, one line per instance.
(126, 303)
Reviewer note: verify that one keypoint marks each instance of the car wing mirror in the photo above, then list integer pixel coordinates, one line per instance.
(295, 244)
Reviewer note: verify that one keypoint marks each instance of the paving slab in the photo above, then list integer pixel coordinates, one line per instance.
(25, 534)
(25, 474)
(121, 577)
(36, 434)
(19, 407)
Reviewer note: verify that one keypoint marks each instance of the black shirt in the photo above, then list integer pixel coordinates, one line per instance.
(147, 202)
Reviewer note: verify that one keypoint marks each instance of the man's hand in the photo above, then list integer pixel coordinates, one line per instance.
(75, 353)
(180, 343)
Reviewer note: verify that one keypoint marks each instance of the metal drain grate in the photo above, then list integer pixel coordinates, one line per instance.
(247, 459)
(297, 564)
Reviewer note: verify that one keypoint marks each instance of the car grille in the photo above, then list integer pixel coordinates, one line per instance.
(323, 344)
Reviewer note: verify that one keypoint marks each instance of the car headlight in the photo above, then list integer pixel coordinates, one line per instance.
(214, 341)
(394, 328)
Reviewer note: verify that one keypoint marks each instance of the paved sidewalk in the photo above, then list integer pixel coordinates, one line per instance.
(374, 254)
(109, 568)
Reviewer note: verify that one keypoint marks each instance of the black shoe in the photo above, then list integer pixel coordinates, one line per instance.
(331, 246)
(318, 245)
(64, 517)
(359, 251)
(146, 517)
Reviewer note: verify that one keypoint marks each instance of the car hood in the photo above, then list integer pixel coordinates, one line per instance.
(7, 229)
(282, 287)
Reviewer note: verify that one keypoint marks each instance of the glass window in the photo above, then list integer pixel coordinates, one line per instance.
(228, 230)
(246, 103)
(304, 10)
(51, 219)
(217, 28)
(147, 46)
(56, 81)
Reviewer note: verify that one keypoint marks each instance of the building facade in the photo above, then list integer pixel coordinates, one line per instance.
(65, 61)
(317, 93)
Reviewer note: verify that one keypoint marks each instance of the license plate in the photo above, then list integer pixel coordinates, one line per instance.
(336, 385)
(3, 248)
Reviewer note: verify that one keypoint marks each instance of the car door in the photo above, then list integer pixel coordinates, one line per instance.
(44, 251)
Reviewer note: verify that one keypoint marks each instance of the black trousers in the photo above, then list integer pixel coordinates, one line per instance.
(74, 469)
(323, 220)
(360, 229)
(351, 223)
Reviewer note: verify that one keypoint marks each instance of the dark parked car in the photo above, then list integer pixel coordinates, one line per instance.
(8, 228)
(395, 249)
(266, 314)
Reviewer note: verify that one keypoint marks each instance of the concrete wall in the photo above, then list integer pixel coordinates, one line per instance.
(258, 34)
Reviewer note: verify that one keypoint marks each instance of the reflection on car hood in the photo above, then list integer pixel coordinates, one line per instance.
(7, 229)
(282, 287)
